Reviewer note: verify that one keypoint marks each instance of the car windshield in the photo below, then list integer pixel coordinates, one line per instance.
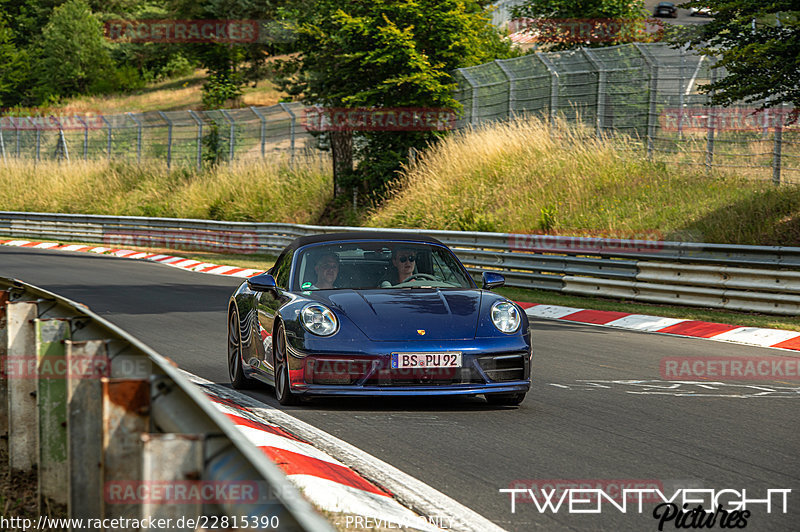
(374, 265)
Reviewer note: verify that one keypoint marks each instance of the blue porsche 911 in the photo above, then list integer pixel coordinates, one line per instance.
(376, 313)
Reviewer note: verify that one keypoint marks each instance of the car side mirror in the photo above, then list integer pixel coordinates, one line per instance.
(262, 283)
(492, 280)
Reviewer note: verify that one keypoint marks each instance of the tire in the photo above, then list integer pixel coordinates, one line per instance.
(235, 369)
(283, 392)
(505, 399)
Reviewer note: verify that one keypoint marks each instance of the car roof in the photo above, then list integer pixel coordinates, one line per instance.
(399, 236)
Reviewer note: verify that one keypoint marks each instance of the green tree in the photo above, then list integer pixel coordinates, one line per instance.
(71, 56)
(379, 54)
(758, 43)
(14, 71)
(554, 19)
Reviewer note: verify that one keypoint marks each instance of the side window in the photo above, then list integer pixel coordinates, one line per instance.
(281, 270)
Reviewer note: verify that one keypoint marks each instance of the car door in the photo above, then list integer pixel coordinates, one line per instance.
(268, 305)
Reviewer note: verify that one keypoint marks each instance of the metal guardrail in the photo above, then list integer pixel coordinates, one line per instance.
(546, 262)
(104, 419)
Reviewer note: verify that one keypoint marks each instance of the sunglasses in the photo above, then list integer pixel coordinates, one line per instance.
(404, 258)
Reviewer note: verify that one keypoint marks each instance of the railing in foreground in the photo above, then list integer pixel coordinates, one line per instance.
(750, 278)
(114, 431)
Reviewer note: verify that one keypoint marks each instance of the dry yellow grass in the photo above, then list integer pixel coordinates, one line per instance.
(271, 190)
(526, 176)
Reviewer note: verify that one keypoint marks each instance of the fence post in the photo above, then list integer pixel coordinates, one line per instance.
(777, 148)
(600, 107)
(292, 128)
(199, 123)
(263, 129)
(710, 128)
(651, 111)
(169, 138)
(109, 136)
(38, 138)
(473, 119)
(512, 87)
(16, 128)
(138, 137)
(61, 143)
(85, 137)
(553, 85)
(231, 138)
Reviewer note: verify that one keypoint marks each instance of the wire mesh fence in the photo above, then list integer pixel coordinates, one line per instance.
(175, 137)
(647, 90)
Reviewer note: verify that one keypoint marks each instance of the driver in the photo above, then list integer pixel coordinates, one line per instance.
(404, 262)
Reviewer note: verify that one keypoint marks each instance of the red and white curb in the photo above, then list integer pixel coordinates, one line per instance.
(331, 485)
(755, 336)
(175, 262)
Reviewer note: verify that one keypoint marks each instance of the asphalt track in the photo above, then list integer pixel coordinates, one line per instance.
(566, 429)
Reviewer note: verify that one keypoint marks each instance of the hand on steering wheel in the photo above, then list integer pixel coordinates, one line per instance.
(424, 276)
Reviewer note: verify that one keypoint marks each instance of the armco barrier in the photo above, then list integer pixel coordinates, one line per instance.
(99, 416)
(758, 278)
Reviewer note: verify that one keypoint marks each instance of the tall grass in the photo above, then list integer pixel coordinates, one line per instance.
(270, 190)
(526, 176)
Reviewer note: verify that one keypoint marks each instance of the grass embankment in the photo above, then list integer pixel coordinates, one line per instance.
(524, 177)
(245, 191)
(175, 94)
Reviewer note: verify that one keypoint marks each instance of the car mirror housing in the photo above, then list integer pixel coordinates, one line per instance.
(262, 283)
(492, 280)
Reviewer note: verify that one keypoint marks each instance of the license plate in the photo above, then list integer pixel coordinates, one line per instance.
(426, 360)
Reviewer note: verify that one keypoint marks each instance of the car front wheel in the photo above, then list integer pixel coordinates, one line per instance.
(235, 370)
(283, 390)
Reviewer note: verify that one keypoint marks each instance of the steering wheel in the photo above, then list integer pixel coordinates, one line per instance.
(424, 276)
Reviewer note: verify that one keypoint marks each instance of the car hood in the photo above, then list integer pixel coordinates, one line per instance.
(408, 314)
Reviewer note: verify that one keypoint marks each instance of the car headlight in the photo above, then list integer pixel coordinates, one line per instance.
(319, 319)
(505, 316)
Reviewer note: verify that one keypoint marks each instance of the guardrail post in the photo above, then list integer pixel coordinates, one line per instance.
(777, 147)
(185, 453)
(231, 137)
(103, 118)
(3, 372)
(51, 399)
(138, 137)
(20, 365)
(88, 361)
(126, 414)
(199, 123)
(169, 138)
(85, 137)
(292, 128)
(263, 129)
